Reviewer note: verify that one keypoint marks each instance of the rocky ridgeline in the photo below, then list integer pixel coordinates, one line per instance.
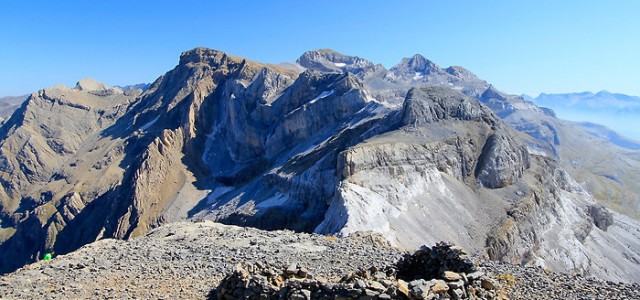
(441, 272)
(187, 260)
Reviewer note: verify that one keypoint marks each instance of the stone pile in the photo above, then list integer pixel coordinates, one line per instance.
(441, 272)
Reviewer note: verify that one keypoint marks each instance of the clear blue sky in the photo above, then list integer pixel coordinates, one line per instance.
(519, 46)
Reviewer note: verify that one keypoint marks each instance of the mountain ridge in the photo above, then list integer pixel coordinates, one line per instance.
(240, 142)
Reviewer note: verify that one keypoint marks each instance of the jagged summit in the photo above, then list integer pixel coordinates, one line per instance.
(493, 93)
(327, 60)
(208, 56)
(221, 60)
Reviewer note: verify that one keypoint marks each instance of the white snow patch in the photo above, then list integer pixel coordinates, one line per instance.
(418, 76)
(217, 192)
(340, 65)
(536, 151)
(149, 124)
(324, 94)
(277, 200)
(390, 76)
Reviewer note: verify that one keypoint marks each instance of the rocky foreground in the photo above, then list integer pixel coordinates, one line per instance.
(191, 260)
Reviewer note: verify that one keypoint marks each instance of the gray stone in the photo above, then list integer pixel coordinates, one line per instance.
(458, 293)
(451, 276)
(475, 275)
(456, 284)
(602, 218)
(420, 288)
(292, 269)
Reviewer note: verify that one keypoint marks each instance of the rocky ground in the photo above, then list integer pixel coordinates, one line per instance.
(189, 260)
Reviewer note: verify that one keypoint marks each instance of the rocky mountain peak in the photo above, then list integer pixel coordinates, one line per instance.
(90, 85)
(461, 73)
(327, 60)
(492, 93)
(241, 67)
(204, 55)
(416, 64)
(432, 103)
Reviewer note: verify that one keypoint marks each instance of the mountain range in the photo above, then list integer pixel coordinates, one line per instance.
(619, 112)
(331, 144)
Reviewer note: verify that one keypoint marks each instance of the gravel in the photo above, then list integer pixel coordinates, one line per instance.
(187, 260)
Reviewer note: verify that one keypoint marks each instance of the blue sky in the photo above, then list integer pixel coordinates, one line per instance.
(519, 46)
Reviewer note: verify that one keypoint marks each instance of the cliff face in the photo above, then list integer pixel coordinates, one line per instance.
(51, 163)
(453, 171)
(330, 150)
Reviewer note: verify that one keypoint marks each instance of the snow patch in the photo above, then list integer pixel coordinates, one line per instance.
(340, 65)
(324, 94)
(277, 200)
(216, 193)
(418, 76)
(149, 124)
(536, 151)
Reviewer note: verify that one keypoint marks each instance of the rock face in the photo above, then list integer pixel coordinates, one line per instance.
(433, 104)
(327, 60)
(503, 162)
(330, 150)
(51, 159)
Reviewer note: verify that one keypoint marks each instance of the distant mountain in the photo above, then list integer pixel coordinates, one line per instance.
(10, 104)
(139, 86)
(334, 145)
(619, 112)
(610, 135)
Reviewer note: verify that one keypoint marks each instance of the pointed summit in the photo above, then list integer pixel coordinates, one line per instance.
(415, 68)
(416, 65)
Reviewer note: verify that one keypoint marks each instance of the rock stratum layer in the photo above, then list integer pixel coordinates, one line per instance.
(333, 145)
